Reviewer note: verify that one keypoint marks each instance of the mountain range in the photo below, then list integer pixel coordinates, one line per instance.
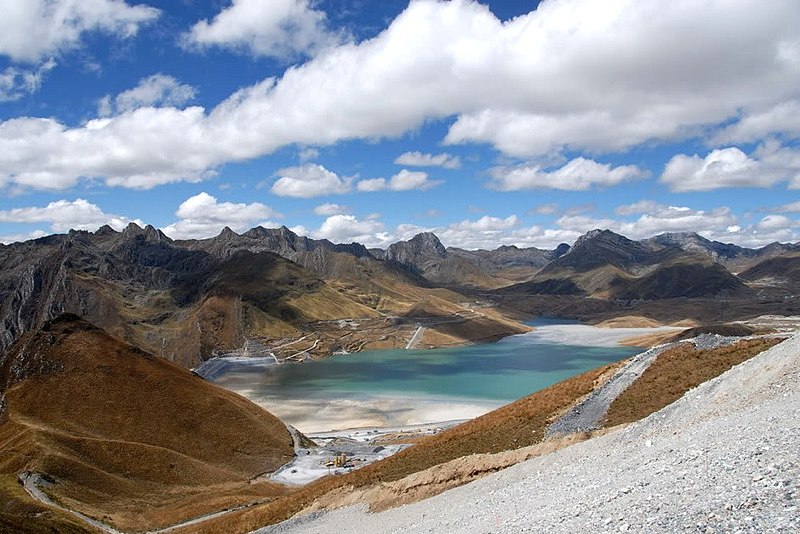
(188, 300)
(99, 327)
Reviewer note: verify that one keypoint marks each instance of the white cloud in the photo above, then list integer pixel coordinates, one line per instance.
(654, 219)
(719, 224)
(329, 209)
(643, 206)
(640, 220)
(155, 90)
(307, 153)
(348, 228)
(16, 83)
(404, 180)
(278, 28)
(14, 238)
(544, 209)
(487, 224)
(792, 207)
(580, 174)
(372, 185)
(65, 215)
(783, 118)
(572, 75)
(418, 159)
(309, 180)
(33, 29)
(204, 216)
(730, 167)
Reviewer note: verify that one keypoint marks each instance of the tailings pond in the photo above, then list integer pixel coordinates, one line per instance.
(407, 387)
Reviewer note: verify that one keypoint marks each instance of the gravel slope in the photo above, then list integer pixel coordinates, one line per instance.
(723, 458)
(588, 414)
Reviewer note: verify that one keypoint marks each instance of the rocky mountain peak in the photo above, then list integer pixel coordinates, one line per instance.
(428, 244)
(596, 236)
(105, 230)
(601, 247)
(560, 250)
(417, 252)
(227, 233)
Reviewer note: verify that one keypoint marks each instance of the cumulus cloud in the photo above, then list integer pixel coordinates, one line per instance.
(418, 159)
(490, 232)
(155, 90)
(202, 216)
(34, 29)
(330, 208)
(654, 219)
(16, 83)
(639, 220)
(278, 28)
(580, 174)
(719, 224)
(309, 180)
(783, 118)
(14, 238)
(348, 228)
(66, 215)
(404, 180)
(571, 75)
(731, 167)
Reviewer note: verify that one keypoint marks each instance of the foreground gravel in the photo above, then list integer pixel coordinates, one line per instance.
(724, 458)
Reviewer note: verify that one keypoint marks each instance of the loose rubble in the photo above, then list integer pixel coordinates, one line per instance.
(723, 458)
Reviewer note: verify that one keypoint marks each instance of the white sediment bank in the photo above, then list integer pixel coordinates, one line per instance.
(723, 458)
(314, 415)
(590, 336)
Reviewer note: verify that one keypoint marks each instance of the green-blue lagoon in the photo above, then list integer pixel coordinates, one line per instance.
(402, 387)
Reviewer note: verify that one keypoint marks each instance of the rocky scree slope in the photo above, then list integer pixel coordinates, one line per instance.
(720, 459)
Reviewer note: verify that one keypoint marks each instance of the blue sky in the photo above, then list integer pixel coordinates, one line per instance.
(488, 123)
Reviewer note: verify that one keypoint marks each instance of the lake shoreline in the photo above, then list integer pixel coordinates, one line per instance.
(313, 413)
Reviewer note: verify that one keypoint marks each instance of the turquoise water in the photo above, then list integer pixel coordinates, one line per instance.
(500, 372)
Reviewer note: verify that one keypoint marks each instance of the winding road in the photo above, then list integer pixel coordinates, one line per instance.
(30, 481)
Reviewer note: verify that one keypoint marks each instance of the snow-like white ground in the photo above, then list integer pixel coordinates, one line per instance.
(590, 336)
(311, 416)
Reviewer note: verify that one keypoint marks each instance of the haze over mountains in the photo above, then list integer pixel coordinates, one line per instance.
(187, 300)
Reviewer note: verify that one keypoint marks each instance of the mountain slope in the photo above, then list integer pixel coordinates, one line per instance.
(189, 300)
(606, 265)
(425, 255)
(721, 457)
(780, 271)
(730, 255)
(127, 436)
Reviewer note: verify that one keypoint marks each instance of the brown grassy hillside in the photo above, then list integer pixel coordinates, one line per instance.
(127, 437)
(675, 372)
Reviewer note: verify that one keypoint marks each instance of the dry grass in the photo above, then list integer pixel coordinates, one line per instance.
(675, 372)
(130, 438)
(517, 425)
(20, 514)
